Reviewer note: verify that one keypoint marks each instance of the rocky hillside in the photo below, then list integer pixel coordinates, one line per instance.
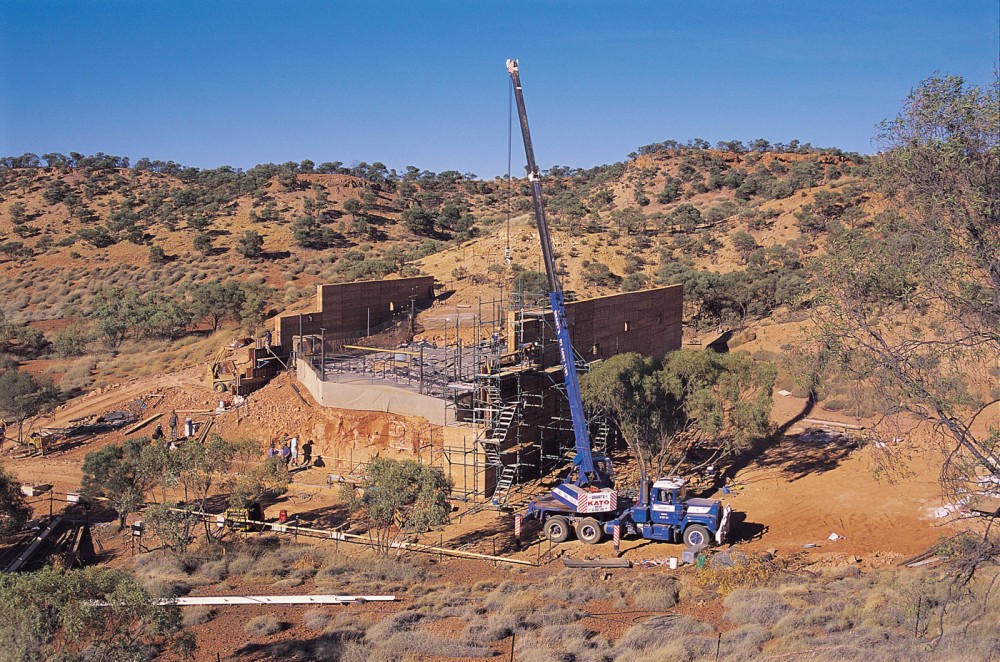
(71, 226)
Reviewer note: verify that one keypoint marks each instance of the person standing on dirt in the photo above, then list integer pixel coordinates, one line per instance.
(286, 453)
(294, 447)
(307, 450)
(173, 425)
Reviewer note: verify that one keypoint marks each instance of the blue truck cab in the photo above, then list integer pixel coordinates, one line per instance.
(665, 513)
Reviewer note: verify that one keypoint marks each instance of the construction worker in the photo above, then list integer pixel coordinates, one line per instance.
(173, 425)
(267, 339)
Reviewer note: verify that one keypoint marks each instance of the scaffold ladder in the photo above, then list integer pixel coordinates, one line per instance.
(504, 483)
(492, 452)
(600, 436)
(501, 427)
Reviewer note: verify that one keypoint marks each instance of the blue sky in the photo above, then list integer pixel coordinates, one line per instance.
(424, 84)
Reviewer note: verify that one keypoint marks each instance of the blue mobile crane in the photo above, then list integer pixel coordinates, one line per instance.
(586, 500)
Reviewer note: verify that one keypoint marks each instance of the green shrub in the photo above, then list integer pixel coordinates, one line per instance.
(71, 341)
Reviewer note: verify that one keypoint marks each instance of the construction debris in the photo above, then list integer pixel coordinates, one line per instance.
(352, 537)
(597, 563)
(35, 490)
(141, 424)
(299, 393)
(66, 538)
(832, 424)
(274, 600)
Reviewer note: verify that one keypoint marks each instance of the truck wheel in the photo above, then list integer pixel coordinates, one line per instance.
(696, 535)
(221, 387)
(557, 529)
(588, 530)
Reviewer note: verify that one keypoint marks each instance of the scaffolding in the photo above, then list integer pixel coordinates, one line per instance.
(502, 384)
(519, 405)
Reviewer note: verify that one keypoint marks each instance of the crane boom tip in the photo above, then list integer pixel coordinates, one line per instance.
(511, 66)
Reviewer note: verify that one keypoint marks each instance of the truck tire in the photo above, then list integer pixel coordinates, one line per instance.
(697, 535)
(557, 529)
(589, 531)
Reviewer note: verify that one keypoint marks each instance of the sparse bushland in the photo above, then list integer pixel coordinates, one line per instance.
(911, 301)
(132, 473)
(49, 615)
(770, 607)
(21, 341)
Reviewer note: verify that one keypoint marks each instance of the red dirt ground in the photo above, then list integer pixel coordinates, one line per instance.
(795, 493)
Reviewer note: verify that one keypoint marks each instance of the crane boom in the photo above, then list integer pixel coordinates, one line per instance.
(584, 460)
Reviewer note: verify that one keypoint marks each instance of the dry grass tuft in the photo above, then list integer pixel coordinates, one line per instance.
(758, 606)
(667, 638)
(263, 626)
(406, 644)
(191, 616)
(316, 619)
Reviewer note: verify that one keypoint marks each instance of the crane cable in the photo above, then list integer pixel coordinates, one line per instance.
(510, 104)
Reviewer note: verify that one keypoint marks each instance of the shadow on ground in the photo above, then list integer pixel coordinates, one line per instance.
(323, 647)
(743, 531)
(796, 456)
(497, 534)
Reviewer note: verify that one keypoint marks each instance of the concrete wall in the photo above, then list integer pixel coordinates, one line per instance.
(648, 322)
(449, 446)
(347, 310)
(362, 395)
